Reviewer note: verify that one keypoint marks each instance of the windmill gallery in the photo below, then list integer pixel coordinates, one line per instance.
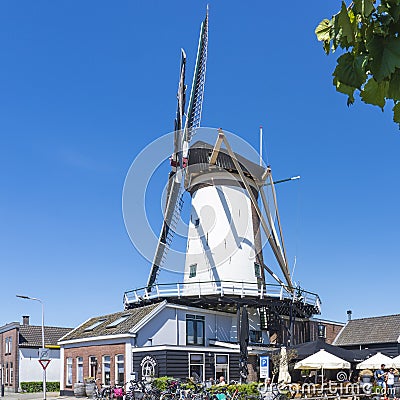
(229, 304)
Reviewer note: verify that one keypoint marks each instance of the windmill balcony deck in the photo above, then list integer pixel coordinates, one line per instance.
(228, 292)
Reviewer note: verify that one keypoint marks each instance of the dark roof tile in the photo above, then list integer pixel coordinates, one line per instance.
(385, 329)
(31, 335)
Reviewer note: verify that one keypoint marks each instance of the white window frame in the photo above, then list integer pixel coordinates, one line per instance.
(117, 364)
(11, 373)
(79, 369)
(103, 369)
(69, 371)
(203, 364)
(217, 375)
(6, 382)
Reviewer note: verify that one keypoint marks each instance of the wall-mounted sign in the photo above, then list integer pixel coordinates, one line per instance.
(264, 367)
(148, 365)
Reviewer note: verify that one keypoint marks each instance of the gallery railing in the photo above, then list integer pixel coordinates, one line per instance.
(221, 289)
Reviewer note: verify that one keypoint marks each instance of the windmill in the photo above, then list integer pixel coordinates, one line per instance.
(230, 214)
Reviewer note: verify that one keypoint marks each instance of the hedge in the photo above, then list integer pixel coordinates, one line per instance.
(33, 387)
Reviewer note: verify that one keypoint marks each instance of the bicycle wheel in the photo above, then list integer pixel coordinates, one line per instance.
(283, 397)
(167, 396)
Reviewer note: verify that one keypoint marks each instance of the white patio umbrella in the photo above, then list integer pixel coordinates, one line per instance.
(375, 362)
(284, 376)
(322, 360)
(396, 362)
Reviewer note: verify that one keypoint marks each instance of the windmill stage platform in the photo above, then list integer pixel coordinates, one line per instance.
(227, 296)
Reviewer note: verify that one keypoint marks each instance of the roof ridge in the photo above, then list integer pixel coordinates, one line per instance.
(375, 317)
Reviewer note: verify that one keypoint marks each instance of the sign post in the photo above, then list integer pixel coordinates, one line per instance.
(264, 367)
(44, 360)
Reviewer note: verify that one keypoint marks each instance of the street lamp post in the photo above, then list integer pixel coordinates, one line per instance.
(44, 369)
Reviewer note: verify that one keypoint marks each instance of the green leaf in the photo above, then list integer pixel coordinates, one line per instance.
(342, 88)
(394, 85)
(324, 32)
(375, 93)
(364, 7)
(350, 70)
(396, 113)
(344, 22)
(385, 56)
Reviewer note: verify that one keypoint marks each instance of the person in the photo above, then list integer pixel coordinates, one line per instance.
(390, 382)
(221, 381)
(380, 376)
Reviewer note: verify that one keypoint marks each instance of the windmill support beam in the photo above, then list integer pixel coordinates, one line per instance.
(271, 224)
(277, 216)
(214, 154)
(275, 248)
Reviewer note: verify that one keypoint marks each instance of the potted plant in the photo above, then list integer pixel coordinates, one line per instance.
(366, 375)
(90, 384)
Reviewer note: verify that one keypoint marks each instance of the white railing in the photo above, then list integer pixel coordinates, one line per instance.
(221, 288)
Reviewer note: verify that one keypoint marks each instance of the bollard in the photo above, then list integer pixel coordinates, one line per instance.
(2, 390)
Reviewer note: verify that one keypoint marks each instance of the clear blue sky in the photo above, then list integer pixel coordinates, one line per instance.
(86, 85)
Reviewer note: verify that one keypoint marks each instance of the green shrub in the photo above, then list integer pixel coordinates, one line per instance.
(34, 387)
(248, 389)
(162, 382)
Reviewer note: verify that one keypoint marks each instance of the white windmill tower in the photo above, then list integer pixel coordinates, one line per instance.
(224, 266)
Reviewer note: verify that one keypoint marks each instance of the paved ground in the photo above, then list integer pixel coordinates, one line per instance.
(36, 396)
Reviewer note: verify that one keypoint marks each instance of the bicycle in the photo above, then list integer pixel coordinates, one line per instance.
(99, 394)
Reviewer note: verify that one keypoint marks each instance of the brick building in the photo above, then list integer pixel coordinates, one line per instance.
(19, 353)
(169, 339)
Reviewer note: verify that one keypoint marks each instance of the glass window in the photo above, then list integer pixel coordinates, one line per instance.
(195, 329)
(321, 331)
(10, 345)
(93, 366)
(106, 370)
(222, 366)
(192, 270)
(94, 325)
(257, 270)
(79, 369)
(117, 322)
(6, 373)
(119, 369)
(11, 373)
(69, 371)
(255, 336)
(196, 366)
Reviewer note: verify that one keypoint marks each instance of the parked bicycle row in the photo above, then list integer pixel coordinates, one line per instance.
(175, 389)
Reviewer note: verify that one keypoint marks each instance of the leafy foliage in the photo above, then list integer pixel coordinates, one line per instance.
(367, 31)
(34, 387)
(161, 383)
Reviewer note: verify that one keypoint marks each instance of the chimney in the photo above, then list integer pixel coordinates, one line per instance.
(349, 312)
(25, 320)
